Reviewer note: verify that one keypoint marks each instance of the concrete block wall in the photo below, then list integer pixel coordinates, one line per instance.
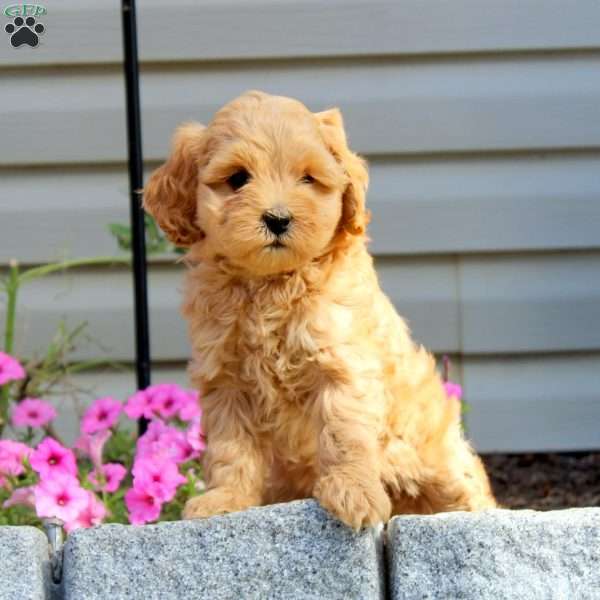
(297, 551)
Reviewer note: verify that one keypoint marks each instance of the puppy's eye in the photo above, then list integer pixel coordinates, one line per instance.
(307, 179)
(238, 179)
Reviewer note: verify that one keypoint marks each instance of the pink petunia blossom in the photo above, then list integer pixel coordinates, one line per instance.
(91, 515)
(453, 390)
(190, 407)
(195, 436)
(102, 414)
(32, 412)
(139, 405)
(157, 434)
(12, 455)
(162, 441)
(172, 445)
(180, 450)
(50, 458)
(10, 369)
(92, 445)
(3, 481)
(166, 399)
(24, 496)
(60, 496)
(143, 507)
(159, 478)
(112, 475)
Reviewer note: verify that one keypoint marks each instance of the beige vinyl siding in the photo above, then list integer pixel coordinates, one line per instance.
(481, 123)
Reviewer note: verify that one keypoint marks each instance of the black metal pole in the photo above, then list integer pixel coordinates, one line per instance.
(136, 183)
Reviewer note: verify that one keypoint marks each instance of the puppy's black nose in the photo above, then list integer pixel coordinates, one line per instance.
(277, 224)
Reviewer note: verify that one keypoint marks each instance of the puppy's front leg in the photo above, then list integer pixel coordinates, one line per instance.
(234, 466)
(350, 485)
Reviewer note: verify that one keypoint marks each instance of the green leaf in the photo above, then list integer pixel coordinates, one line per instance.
(156, 242)
(120, 448)
(122, 233)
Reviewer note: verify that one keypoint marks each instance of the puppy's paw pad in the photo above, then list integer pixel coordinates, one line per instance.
(358, 504)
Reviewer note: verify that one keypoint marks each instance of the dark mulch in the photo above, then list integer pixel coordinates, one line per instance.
(545, 481)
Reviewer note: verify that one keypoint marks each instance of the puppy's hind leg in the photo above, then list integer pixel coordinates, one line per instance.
(459, 484)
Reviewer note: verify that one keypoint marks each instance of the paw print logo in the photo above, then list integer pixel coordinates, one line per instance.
(24, 31)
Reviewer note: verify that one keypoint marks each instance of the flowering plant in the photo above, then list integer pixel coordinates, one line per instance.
(110, 474)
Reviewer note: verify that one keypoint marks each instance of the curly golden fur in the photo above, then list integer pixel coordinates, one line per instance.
(310, 382)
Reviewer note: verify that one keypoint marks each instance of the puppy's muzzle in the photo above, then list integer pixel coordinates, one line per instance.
(277, 222)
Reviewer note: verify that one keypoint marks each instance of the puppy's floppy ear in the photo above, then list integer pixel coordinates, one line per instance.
(354, 214)
(170, 194)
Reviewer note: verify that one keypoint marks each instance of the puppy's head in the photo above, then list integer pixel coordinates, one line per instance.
(268, 185)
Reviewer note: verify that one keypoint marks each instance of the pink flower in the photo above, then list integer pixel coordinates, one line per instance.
(157, 435)
(142, 506)
(112, 474)
(93, 445)
(12, 455)
(102, 414)
(166, 399)
(180, 450)
(24, 496)
(190, 407)
(60, 496)
(138, 406)
(453, 390)
(10, 369)
(32, 412)
(159, 478)
(91, 515)
(51, 458)
(165, 442)
(195, 437)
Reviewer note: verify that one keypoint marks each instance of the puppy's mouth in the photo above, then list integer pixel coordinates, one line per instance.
(277, 244)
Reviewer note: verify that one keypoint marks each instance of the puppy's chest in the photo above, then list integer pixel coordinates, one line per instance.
(269, 347)
(275, 348)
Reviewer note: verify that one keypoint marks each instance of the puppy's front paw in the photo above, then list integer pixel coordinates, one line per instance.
(214, 502)
(357, 503)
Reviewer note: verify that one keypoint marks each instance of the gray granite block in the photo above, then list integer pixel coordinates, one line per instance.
(288, 551)
(497, 554)
(24, 564)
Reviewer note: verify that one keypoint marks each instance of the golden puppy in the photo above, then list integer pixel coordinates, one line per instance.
(310, 382)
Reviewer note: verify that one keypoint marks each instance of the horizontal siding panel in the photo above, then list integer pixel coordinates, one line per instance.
(61, 213)
(103, 298)
(522, 202)
(234, 29)
(424, 291)
(524, 404)
(530, 303)
(420, 107)
(471, 305)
